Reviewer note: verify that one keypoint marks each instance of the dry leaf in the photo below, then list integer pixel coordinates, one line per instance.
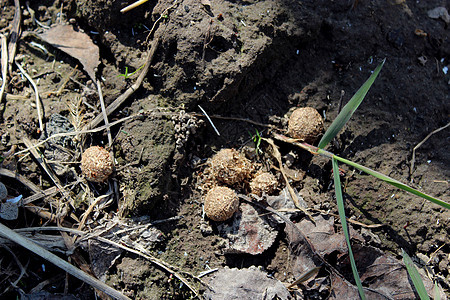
(250, 283)
(76, 44)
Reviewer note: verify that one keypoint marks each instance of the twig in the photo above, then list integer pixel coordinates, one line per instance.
(33, 247)
(204, 273)
(65, 81)
(152, 259)
(41, 161)
(130, 91)
(14, 36)
(291, 210)
(90, 208)
(4, 63)
(22, 269)
(413, 159)
(36, 92)
(105, 116)
(163, 15)
(276, 154)
(133, 5)
(76, 133)
(234, 119)
(212, 124)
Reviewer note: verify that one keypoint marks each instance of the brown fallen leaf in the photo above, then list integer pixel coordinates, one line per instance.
(76, 44)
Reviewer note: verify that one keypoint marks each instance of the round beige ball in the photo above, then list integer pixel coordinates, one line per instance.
(96, 164)
(305, 124)
(221, 203)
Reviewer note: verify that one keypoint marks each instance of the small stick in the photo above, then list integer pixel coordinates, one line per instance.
(47, 255)
(212, 124)
(76, 133)
(89, 210)
(133, 5)
(130, 91)
(276, 154)
(36, 92)
(233, 119)
(14, 36)
(4, 47)
(152, 259)
(413, 159)
(163, 14)
(105, 116)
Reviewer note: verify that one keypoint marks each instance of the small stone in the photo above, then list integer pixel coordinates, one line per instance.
(221, 203)
(305, 124)
(96, 164)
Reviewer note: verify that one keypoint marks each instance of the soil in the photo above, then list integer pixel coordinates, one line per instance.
(243, 61)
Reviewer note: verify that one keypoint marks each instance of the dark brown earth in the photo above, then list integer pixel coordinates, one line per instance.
(251, 60)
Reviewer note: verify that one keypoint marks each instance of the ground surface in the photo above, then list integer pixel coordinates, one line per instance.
(249, 60)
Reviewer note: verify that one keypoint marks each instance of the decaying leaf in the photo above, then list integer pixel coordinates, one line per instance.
(382, 275)
(76, 44)
(248, 232)
(250, 283)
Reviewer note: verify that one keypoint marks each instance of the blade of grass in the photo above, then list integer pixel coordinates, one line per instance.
(437, 293)
(392, 181)
(349, 109)
(415, 276)
(341, 209)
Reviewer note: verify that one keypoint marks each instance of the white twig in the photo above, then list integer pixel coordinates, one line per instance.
(76, 133)
(209, 119)
(133, 5)
(36, 92)
(105, 115)
(4, 64)
(413, 158)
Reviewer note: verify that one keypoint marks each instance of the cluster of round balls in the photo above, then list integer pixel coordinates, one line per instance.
(96, 164)
(305, 124)
(229, 167)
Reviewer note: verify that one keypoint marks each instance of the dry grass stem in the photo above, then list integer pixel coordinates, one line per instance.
(165, 266)
(39, 105)
(4, 64)
(105, 116)
(132, 6)
(75, 133)
(413, 158)
(209, 119)
(276, 154)
(14, 35)
(90, 209)
(163, 15)
(130, 91)
(41, 161)
(33, 247)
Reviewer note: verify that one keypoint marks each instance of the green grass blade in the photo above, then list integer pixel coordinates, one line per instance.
(349, 109)
(393, 182)
(341, 209)
(415, 277)
(437, 293)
